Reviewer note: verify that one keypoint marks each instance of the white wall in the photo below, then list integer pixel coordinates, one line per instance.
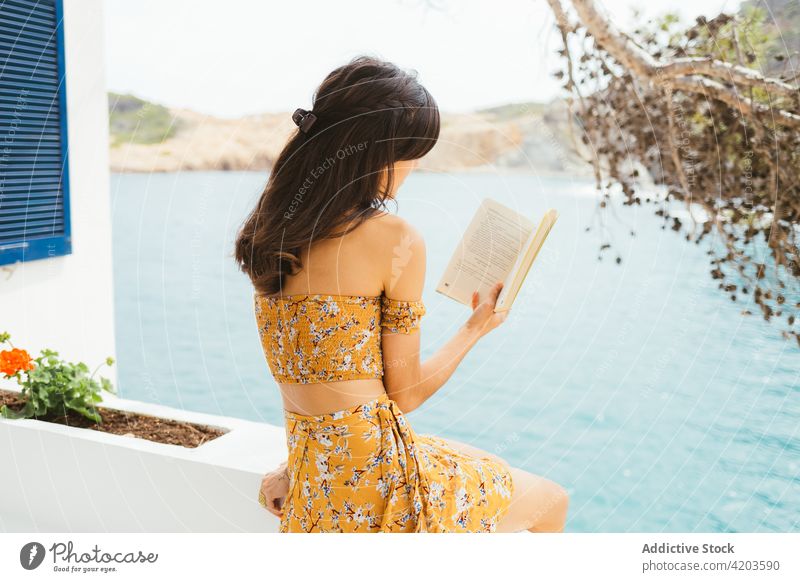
(66, 303)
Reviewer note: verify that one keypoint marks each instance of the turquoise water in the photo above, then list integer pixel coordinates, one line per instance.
(637, 386)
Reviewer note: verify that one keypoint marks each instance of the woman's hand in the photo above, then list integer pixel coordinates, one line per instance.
(483, 318)
(274, 488)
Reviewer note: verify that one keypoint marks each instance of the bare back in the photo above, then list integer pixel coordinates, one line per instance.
(354, 265)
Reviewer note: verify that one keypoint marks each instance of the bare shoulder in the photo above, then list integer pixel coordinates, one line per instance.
(400, 248)
(387, 231)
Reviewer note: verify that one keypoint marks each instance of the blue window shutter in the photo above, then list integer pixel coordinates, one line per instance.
(34, 168)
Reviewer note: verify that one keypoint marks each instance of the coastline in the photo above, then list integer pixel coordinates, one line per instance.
(520, 139)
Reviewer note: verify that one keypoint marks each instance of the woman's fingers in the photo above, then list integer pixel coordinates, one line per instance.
(272, 504)
(494, 293)
(491, 298)
(271, 496)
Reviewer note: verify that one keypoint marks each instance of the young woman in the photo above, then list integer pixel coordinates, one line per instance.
(338, 284)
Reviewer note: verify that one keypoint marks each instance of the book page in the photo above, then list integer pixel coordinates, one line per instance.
(523, 265)
(488, 251)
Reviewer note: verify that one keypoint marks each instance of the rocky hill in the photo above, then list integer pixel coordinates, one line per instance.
(146, 137)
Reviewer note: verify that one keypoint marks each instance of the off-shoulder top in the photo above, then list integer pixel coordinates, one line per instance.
(325, 338)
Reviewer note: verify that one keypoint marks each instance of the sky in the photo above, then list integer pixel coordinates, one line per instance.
(240, 57)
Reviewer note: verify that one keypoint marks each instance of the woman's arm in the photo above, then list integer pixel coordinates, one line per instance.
(408, 381)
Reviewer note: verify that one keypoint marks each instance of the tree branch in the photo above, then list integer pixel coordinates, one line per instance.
(726, 72)
(682, 73)
(720, 92)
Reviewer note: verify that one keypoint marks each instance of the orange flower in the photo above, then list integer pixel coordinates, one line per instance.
(13, 361)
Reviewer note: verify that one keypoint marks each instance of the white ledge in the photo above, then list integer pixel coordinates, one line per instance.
(66, 479)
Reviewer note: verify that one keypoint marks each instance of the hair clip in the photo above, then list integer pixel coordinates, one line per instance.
(303, 119)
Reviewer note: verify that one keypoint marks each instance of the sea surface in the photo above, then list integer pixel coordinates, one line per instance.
(638, 386)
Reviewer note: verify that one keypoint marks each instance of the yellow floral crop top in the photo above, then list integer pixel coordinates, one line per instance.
(325, 338)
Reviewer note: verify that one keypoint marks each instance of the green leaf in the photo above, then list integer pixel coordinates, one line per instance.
(90, 414)
(106, 384)
(25, 412)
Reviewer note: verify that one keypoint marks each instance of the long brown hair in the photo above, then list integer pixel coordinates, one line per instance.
(327, 179)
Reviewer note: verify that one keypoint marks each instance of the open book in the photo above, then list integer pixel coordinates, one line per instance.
(499, 245)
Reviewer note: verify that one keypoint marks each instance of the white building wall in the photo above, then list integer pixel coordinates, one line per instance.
(66, 303)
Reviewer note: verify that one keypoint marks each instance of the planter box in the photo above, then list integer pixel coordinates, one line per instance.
(57, 478)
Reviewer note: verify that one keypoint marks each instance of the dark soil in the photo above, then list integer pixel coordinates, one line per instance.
(143, 426)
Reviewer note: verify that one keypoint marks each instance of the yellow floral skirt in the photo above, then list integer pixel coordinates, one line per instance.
(365, 470)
